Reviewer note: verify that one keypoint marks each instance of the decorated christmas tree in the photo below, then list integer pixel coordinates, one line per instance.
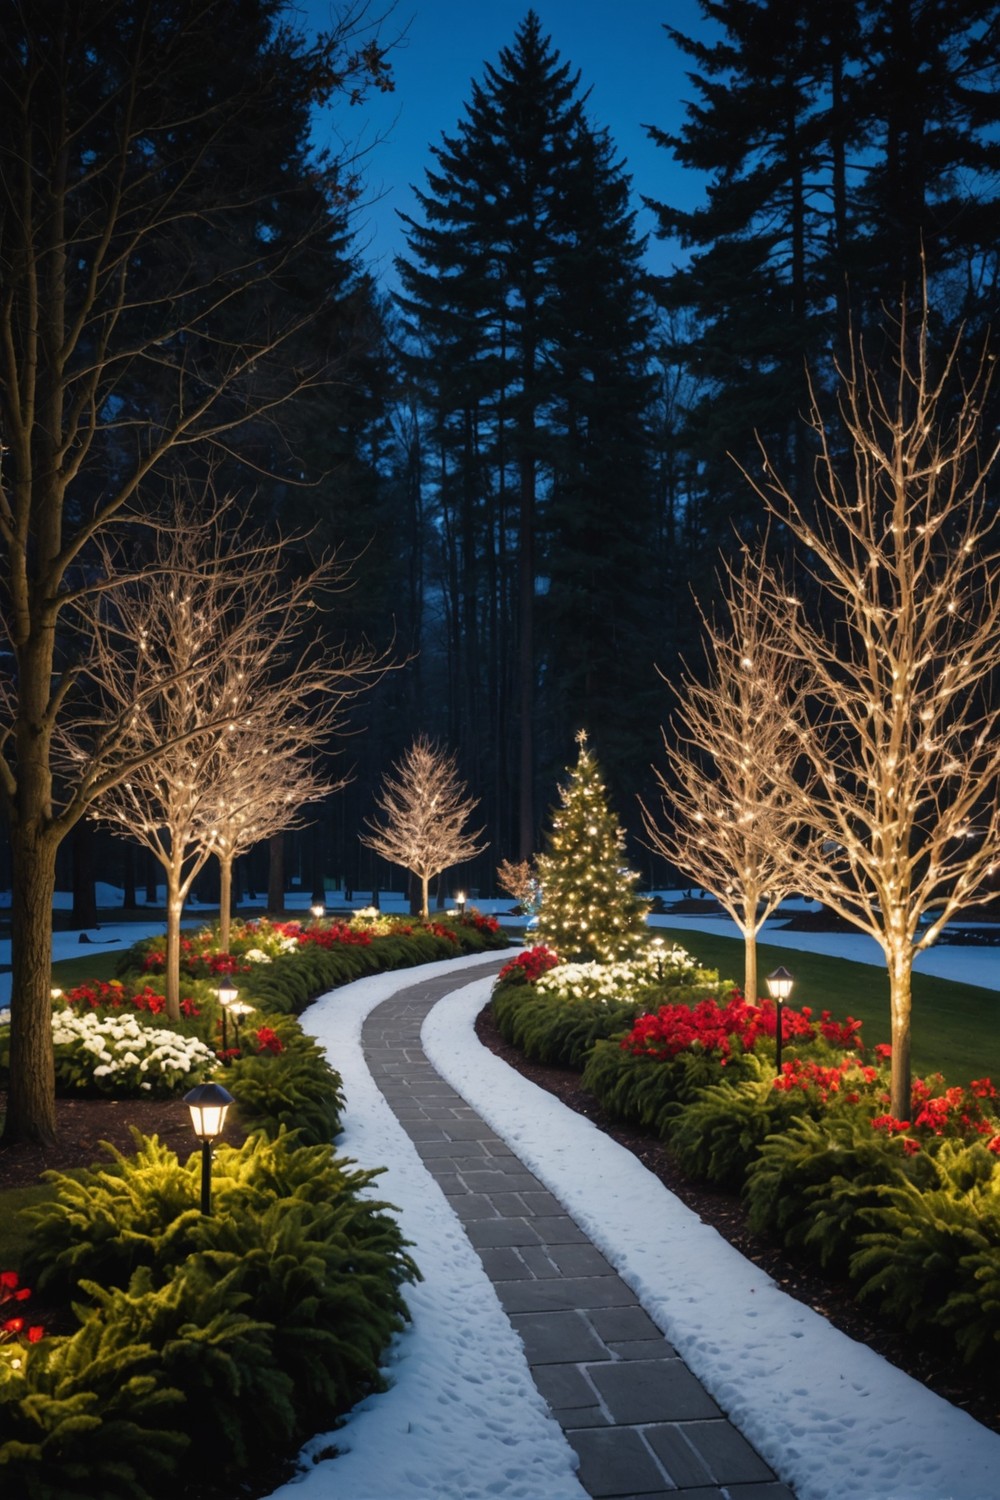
(589, 908)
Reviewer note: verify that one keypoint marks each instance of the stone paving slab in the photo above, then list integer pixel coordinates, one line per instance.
(642, 1425)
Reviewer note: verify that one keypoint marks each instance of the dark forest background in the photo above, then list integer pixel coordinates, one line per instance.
(533, 451)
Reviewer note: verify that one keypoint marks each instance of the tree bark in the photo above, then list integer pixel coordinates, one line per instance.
(175, 909)
(900, 983)
(31, 1103)
(750, 965)
(225, 902)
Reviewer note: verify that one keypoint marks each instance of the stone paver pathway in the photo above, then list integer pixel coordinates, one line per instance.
(642, 1424)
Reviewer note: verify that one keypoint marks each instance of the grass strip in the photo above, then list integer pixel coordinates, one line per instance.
(956, 1026)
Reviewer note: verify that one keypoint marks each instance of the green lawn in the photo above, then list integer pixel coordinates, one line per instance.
(69, 972)
(956, 1027)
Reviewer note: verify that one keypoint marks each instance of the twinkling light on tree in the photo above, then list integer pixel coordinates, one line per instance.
(589, 908)
(727, 818)
(425, 807)
(261, 787)
(208, 665)
(902, 749)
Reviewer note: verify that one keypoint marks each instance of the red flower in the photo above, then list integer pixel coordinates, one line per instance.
(269, 1041)
(530, 965)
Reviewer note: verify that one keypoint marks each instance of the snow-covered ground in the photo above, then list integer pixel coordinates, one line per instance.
(462, 1421)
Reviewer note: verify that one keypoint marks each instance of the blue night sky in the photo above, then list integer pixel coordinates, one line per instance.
(634, 72)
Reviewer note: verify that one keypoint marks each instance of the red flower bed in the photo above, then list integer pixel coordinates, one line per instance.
(100, 994)
(324, 937)
(529, 965)
(717, 1028)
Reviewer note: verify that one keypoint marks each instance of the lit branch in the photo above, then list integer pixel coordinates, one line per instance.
(729, 820)
(903, 748)
(426, 808)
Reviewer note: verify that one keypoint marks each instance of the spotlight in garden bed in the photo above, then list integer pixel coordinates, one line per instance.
(318, 910)
(228, 994)
(238, 1009)
(209, 1104)
(779, 987)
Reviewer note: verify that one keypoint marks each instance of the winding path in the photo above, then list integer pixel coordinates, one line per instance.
(640, 1421)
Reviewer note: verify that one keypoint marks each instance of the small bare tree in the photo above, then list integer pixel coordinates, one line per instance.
(426, 808)
(273, 782)
(730, 820)
(209, 667)
(519, 880)
(903, 747)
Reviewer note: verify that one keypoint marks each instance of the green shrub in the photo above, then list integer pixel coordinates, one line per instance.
(559, 1032)
(816, 1176)
(295, 1089)
(718, 1135)
(649, 1092)
(85, 1418)
(271, 1314)
(930, 1257)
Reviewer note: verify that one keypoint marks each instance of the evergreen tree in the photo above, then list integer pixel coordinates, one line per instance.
(530, 345)
(589, 908)
(841, 143)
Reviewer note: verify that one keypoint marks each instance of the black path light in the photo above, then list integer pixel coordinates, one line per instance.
(460, 902)
(779, 987)
(209, 1104)
(657, 946)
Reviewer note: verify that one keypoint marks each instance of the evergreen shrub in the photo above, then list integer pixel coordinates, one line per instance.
(271, 1315)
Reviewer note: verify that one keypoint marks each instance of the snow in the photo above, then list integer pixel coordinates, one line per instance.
(970, 965)
(462, 1421)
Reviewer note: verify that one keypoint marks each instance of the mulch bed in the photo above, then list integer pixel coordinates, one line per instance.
(82, 1124)
(977, 1394)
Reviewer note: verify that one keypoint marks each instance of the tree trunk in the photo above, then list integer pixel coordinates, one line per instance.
(175, 909)
(900, 977)
(31, 1101)
(424, 899)
(225, 901)
(750, 965)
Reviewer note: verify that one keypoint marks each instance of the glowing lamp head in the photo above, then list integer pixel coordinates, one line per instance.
(227, 992)
(779, 984)
(209, 1103)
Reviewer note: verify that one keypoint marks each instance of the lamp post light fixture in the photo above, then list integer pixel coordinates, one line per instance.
(779, 986)
(238, 1009)
(228, 994)
(209, 1104)
(657, 946)
(460, 902)
(318, 911)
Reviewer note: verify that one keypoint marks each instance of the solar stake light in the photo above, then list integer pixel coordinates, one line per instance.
(209, 1104)
(228, 995)
(779, 986)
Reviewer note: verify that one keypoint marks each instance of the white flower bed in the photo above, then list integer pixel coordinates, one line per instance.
(119, 1055)
(615, 981)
